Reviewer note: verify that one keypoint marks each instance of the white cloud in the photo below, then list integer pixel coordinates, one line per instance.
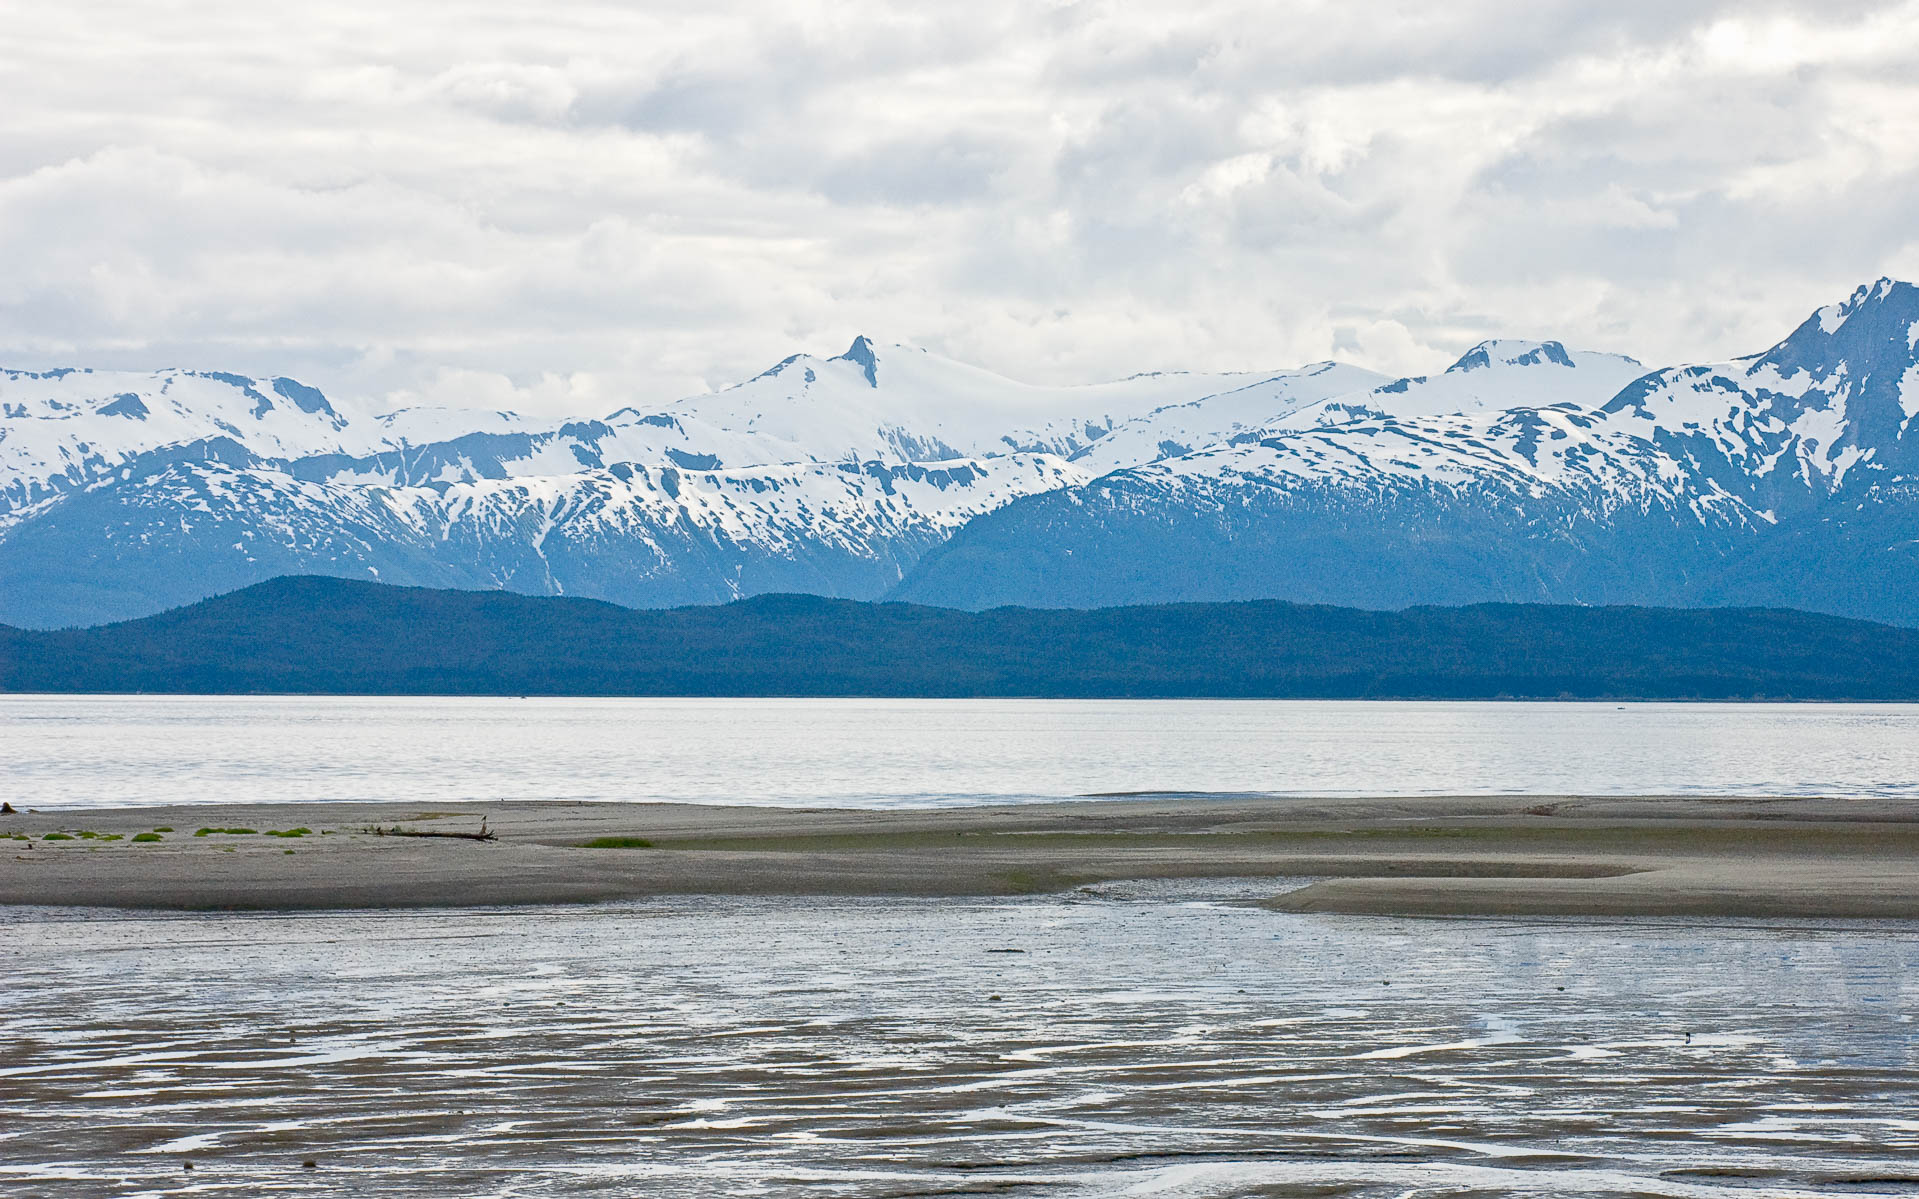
(575, 206)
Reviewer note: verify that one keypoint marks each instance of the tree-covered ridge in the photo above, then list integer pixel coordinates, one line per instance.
(325, 635)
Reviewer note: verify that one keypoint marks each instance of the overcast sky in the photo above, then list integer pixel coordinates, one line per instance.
(569, 207)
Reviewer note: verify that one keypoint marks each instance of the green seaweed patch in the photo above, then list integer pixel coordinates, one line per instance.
(618, 843)
(289, 832)
(146, 838)
(57, 837)
(163, 828)
(230, 832)
(286, 851)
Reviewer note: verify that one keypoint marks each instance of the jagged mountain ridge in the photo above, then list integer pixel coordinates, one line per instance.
(1523, 471)
(71, 428)
(112, 507)
(906, 403)
(1783, 478)
(122, 493)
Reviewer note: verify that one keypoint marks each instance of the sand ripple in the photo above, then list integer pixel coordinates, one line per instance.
(1148, 1040)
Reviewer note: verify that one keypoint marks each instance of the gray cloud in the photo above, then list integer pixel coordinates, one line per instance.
(592, 204)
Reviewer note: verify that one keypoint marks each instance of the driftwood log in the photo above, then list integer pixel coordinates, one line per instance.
(398, 831)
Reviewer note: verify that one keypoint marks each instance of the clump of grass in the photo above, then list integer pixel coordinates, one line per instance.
(618, 843)
(231, 832)
(1023, 882)
(57, 837)
(144, 838)
(290, 832)
(163, 828)
(286, 851)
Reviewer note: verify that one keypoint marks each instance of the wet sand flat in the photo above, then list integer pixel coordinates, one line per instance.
(1159, 1038)
(1650, 855)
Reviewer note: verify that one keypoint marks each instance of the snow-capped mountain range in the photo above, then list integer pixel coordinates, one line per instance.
(1523, 471)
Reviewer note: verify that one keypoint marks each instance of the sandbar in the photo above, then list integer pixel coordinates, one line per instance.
(1423, 856)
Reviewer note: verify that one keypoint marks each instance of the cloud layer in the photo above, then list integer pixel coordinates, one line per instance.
(571, 207)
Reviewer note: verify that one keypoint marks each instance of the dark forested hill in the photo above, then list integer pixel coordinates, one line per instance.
(309, 634)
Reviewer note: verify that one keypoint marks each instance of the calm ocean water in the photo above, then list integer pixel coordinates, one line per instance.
(93, 751)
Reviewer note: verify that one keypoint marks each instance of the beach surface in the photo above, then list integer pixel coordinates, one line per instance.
(1438, 856)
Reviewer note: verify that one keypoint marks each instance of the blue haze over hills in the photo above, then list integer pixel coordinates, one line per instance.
(1527, 471)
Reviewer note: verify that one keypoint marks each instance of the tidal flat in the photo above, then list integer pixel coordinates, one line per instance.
(1677, 996)
(1788, 856)
(1130, 1038)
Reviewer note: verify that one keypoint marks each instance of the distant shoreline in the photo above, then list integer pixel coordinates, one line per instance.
(1441, 856)
(1781, 701)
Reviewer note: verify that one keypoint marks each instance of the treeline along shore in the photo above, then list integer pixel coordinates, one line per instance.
(317, 635)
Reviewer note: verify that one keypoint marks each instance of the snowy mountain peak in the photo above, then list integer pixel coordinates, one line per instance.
(1494, 375)
(306, 399)
(1877, 320)
(926, 407)
(61, 429)
(1834, 402)
(1786, 478)
(66, 393)
(861, 354)
(1511, 352)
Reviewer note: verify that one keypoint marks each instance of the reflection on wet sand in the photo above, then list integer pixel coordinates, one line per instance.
(1157, 1039)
